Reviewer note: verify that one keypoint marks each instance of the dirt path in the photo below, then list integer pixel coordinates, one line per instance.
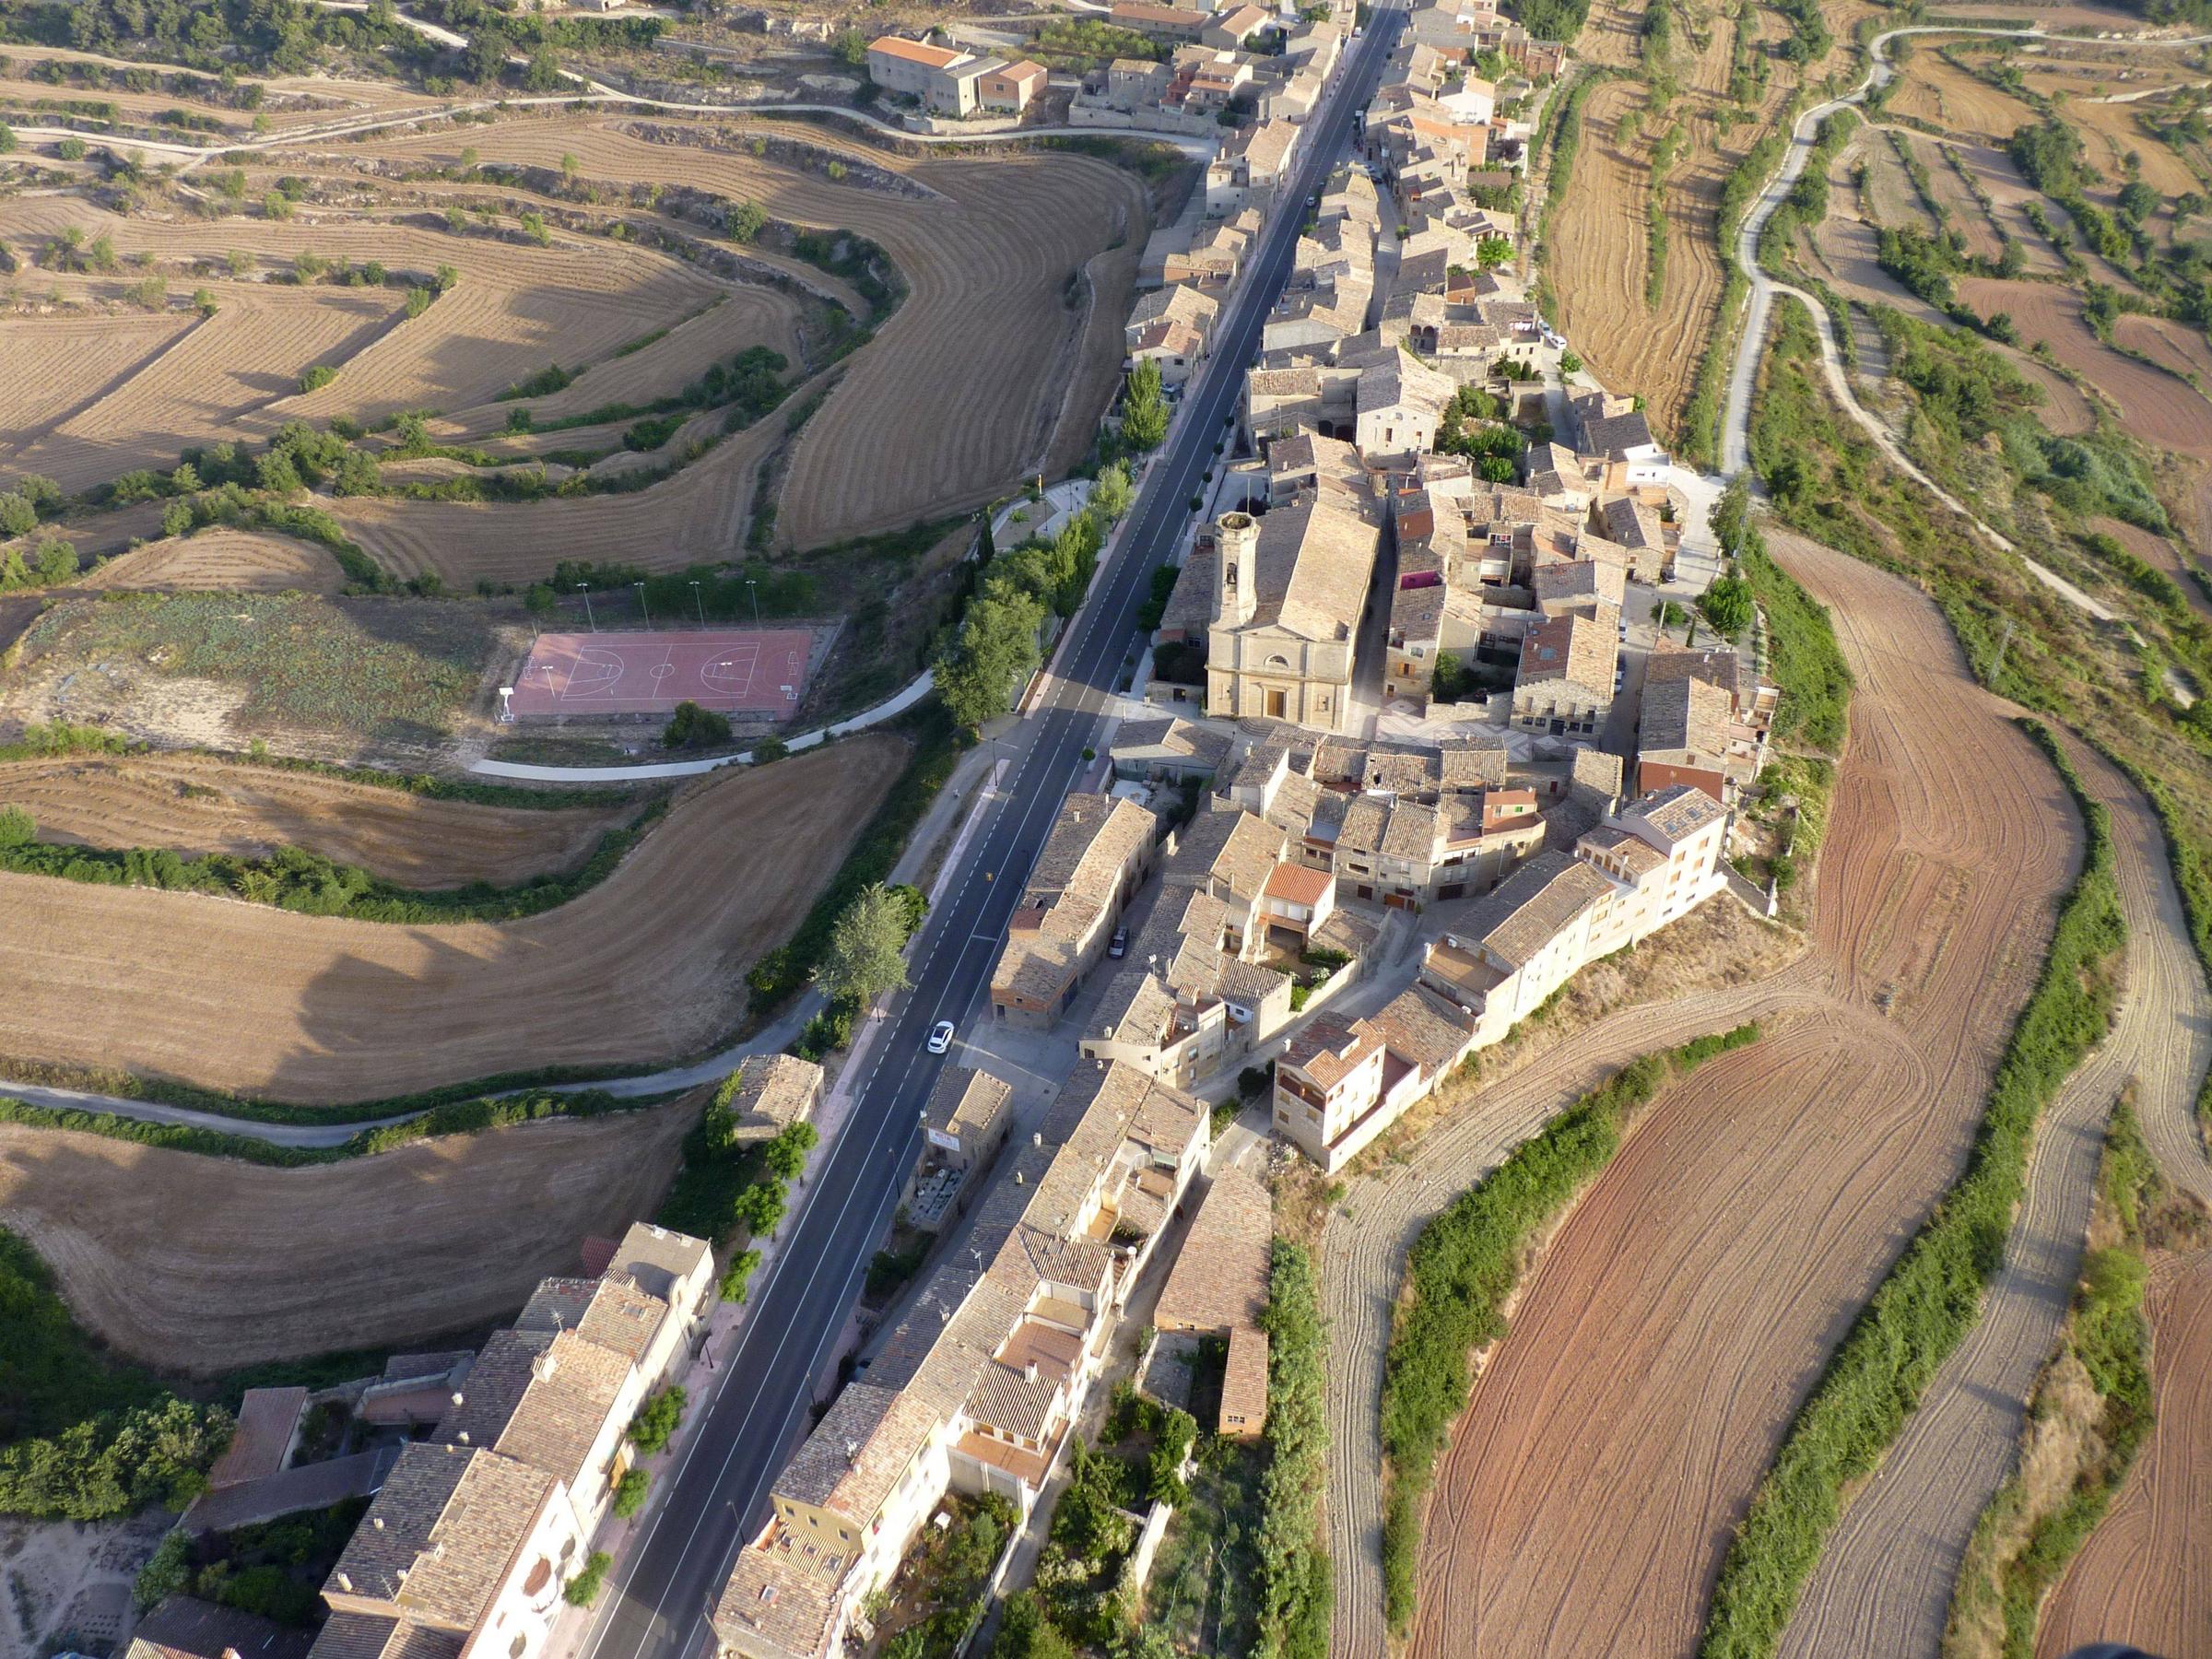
(645, 967)
(193, 806)
(1663, 1346)
(1869, 1595)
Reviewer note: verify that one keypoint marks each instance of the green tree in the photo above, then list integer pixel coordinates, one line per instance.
(745, 220)
(318, 376)
(737, 1277)
(7, 139)
(1027, 1631)
(629, 1492)
(852, 47)
(760, 1207)
(785, 1157)
(166, 1573)
(277, 205)
(533, 226)
(17, 516)
(544, 72)
(1144, 409)
(583, 1589)
(657, 1419)
(1728, 605)
(17, 827)
(1110, 496)
(866, 955)
(694, 728)
(1492, 252)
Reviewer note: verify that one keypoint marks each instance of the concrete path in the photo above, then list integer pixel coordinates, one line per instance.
(1868, 1595)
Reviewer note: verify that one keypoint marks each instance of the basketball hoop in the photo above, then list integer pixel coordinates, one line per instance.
(506, 705)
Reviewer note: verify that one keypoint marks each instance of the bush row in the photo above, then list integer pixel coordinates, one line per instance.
(1295, 1596)
(1932, 1296)
(1464, 1265)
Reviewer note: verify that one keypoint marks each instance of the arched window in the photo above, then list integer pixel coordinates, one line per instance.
(1279, 661)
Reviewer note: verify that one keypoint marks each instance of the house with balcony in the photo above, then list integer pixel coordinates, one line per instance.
(475, 1532)
(979, 1386)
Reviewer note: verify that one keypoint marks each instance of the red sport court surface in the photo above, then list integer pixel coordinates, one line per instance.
(746, 671)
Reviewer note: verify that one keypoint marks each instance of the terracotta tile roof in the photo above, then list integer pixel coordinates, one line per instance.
(1142, 740)
(1177, 303)
(657, 1258)
(1244, 1381)
(1528, 908)
(365, 1636)
(1678, 812)
(538, 1400)
(964, 1102)
(1219, 1281)
(453, 1520)
(1683, 716)
(1328, 1051)
(1636, 854)
(185, 1628)
(915, 51)
(1296, 884)
(781, 1594)
(1472, 766)
(1421, 1027)
(266, 1420)
(1578, 648)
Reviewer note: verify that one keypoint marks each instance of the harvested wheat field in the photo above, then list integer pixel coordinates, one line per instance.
(2141, 1578)
(2161, 553)
(1994, 170)
(516, 309)
(192, 805)
(223, 559)
(2156, 407)
(2109, 132)
(1665, 1338)
(1931, 88)
(646, 966)
(1599, 259)
(229, 376)
(1014, 262)
(1890, 197)
(52, 366)
(204, 1265)
(2180, 346)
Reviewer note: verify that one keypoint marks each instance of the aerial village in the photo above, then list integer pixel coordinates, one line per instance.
(1414, 745)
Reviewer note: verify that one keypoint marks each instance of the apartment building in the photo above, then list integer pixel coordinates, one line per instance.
(979, 1386)
(475, 1532)
(1341, 1083)
(1098, 852)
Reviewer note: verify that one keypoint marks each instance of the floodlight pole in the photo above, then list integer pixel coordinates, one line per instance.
(698, 604)
(585, 589)
(753, 588)
(641, 605)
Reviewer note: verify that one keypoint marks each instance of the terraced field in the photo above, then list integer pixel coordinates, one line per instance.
(646, 966)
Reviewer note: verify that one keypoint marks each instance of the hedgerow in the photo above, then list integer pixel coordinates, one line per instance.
(307, 883)
(1464, 1265)
(1294, 1592)
(1932, 1296)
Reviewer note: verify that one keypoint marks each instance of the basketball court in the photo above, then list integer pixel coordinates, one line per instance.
(739, 672)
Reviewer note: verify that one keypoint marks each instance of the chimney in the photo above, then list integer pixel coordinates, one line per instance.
(377, 1522)
(344, 1583)
(1237, 537)
(462, 1437)
(543, 1365)
(1037, 1139)
(1029, 1372)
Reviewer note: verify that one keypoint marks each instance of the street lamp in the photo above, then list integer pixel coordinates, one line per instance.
(698, 604)
(641, 605)
(585, 589)
(753, 589)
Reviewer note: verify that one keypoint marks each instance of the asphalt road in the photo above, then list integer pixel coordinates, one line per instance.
(657, 1605)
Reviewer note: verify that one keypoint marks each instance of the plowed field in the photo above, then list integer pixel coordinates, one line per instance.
(2156, 407)
(646, 966)
(1668, 1333)
(995, 301)
(1961, 104)
(192, 806)
(51, 366)
(249, 562)
(204, 1265)
(2141, 1579)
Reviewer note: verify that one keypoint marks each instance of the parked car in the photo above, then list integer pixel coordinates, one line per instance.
(941, 1037)
(1118, 947)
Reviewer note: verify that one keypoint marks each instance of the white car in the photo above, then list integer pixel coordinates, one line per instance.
(941, 1037)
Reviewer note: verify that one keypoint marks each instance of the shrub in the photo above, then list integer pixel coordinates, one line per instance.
(657, 1419)
(583, 1589)
(694, 728)
(317, 377)
(736, 1278)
